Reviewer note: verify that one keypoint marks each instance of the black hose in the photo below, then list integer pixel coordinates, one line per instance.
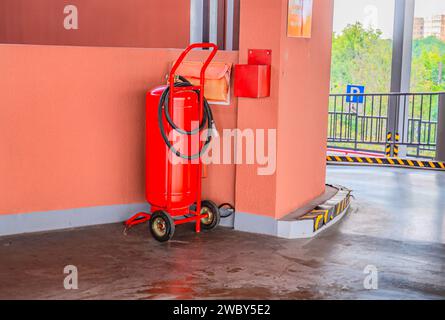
(206, 121)
(231, 209)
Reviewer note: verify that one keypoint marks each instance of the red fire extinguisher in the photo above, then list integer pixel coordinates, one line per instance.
(174, 189)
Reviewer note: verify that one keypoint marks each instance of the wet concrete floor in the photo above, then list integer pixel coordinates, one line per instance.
(396, 224)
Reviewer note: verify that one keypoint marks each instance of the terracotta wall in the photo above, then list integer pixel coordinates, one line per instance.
(297, 107)
(129, 23)
(72, 119)
(254, 193)
(72, 123)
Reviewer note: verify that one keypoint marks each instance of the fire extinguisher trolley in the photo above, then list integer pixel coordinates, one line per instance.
(174, 189)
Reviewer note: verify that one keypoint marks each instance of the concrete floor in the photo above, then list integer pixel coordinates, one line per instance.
(396, 224)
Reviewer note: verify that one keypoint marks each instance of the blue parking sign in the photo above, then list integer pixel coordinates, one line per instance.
(355, 90)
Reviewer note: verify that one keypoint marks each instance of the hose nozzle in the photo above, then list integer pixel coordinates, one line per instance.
(215, 132)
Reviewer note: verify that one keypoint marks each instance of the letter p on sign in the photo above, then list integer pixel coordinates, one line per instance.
(353, 89)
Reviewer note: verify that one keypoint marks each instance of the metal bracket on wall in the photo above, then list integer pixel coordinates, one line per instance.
(260, 57)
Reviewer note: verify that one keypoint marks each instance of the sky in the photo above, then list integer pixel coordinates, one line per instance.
(379, 13)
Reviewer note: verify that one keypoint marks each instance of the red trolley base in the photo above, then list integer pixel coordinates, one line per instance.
(143, 217)
(162, 225)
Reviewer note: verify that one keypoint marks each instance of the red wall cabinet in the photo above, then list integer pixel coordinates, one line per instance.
(252, 80)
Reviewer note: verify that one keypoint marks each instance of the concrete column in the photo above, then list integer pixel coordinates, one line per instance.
(199, 20)
(401, 69)
(232, 24)
(440, 154)
(196, 21)
(207, 22)
(217, 16)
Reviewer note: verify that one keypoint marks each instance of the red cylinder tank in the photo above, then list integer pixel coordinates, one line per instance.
(185, 113)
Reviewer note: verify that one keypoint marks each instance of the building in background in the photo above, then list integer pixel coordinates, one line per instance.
(419, 28)
(433, 26)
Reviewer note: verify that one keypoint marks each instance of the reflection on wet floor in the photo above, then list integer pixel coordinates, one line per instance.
(396, 224)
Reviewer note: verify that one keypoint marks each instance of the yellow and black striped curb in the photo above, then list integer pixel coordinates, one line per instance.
(324, 214)
(409, 163)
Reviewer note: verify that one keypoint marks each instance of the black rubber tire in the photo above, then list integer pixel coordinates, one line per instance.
(165, 231)
(213, 222)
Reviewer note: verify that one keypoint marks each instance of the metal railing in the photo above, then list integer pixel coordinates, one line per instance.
(411, 118)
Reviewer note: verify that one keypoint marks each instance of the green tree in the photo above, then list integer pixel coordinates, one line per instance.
(360, 56)
(428, 67)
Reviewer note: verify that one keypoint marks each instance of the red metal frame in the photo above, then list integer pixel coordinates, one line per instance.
(142, 217)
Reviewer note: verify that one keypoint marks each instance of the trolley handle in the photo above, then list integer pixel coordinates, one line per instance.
(204, 67)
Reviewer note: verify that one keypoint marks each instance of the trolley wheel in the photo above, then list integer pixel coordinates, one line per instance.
(214, 217)
(162, 226)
